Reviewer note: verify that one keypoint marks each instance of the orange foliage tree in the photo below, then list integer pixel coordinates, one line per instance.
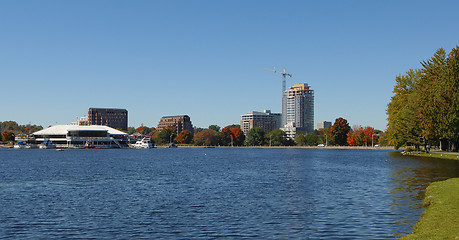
(361, 136)
(184, 137)
(8, 135)
(234, 132)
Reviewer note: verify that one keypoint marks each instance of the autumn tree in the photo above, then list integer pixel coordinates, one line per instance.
(235, 134)
(184, 137)
(360, 136)
(205, 137)
(8, 135)
(339, 131)
(255, 136)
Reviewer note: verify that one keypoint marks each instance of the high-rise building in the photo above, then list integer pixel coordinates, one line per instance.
(323, 125)
(182, 122)
(266, 120)
(112, 117)
(298, 110)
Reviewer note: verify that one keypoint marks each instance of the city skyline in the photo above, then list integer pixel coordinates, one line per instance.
(205, 59)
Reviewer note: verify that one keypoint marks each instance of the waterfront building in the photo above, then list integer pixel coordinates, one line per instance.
(76, 136)
(112, 117)
(182, 122)
(266, 120)
(323, 125)
(298, 110)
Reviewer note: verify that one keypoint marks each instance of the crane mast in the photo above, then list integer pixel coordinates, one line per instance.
(284, 74)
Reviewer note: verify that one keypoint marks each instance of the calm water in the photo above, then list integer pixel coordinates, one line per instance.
(213, 193)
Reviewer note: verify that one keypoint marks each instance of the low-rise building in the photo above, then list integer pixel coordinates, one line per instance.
(266, 120)
(76, 136)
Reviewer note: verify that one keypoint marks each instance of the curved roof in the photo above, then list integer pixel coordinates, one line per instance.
(63, 129)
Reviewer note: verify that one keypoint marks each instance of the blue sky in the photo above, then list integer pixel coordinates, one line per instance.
(205, 58)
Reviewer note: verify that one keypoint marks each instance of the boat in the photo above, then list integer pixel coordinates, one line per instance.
(20, 145)
(46, 145)
(144, 143)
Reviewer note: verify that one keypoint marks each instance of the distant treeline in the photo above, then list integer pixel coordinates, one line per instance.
(340, 134)
(9, 129)
(425, 107)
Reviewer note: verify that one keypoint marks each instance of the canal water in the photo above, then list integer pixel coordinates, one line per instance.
(213, 193)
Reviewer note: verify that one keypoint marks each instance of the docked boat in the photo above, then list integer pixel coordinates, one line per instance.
(46, 145)
(144, 143)
(20, 145)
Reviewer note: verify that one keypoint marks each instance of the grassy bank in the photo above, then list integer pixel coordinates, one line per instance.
(441, 217)
(444, 155)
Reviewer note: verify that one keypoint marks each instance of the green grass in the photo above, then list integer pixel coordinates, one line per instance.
(440, 220)
(440, 155)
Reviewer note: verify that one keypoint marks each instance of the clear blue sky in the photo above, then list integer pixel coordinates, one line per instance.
(205, 58)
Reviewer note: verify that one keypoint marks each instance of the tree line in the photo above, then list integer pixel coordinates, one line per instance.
(424, 110)
(10, 129)
(339, 134)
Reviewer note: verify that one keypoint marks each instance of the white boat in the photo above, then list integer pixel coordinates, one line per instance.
(144, 143)
(21, 144)
(46, 145)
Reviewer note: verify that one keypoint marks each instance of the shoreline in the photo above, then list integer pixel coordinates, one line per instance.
(439, 219)
(259, 147)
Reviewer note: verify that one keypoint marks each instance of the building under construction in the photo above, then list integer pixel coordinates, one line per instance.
(298, 110)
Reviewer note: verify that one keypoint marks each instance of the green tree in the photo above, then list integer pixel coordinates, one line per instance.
(278, 137)
(214, 127)
(312, 139)
(255, 136)
(131, 130)
(222, 139)
(339, 131)
(404, 128)
(425, 105)
(166, 135)
(438, 97)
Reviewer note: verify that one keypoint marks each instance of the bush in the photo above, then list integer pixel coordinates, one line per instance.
(409, 149)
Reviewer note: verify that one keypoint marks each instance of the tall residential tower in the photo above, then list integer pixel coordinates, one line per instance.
(298, 110)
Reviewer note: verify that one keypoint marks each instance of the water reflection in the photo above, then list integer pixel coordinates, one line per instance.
(410, 176)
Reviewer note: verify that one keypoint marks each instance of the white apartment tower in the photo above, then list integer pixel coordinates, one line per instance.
(298, 110)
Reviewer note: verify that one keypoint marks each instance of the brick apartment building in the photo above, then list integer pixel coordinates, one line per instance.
(182, 122)
(112, 117)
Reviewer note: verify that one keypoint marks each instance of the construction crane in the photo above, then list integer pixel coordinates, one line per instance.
(284, 74)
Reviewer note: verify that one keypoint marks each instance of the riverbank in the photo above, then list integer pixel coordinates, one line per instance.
(441, 217)
(438, 154)
(287, 147)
